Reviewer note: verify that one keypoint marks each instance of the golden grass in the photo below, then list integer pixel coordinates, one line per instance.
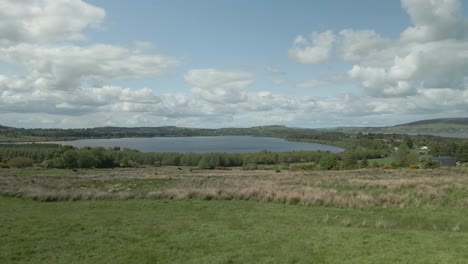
(357, 189)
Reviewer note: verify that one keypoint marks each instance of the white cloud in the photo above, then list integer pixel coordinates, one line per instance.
(315, 51)
(266, 101)
(434, 20)
(64, 67)
(323, 81)
(39, 37)
(356, 44)
(219, 87)
(34, 21)
(431, 54)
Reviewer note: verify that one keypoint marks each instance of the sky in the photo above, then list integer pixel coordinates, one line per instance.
(215, 63)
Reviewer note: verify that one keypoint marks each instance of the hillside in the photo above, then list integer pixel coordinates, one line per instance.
(449, 126)
(446, 121)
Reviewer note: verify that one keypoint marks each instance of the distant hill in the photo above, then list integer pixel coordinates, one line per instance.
(448, 126)
(446, 121)
(11, 134)
(452, 127)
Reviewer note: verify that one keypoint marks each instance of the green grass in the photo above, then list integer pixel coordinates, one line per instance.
(161, 231)
(381, 161)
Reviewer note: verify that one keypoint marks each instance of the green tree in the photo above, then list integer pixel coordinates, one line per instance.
(404, 157)
(327, 162)
(87, 159)
(70, 158)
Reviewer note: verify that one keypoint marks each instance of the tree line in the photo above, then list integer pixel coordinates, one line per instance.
(56, 156)
(359, 149)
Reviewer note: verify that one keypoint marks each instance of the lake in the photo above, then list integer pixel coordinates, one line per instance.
(237, 144)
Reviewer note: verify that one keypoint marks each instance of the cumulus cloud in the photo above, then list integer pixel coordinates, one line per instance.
(40, 35)
(430, 54)
(64, 67)
(33, 21)
(434, 20)
(435, 64)
(356, 44)
(315, 51)
(218, 86)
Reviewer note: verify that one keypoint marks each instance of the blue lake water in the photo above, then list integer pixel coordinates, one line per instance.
(237, 144)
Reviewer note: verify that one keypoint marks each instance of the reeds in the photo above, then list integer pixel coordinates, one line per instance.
(355, 189)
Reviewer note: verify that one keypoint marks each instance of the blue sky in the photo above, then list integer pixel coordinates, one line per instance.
(250, 35)
(231, 63)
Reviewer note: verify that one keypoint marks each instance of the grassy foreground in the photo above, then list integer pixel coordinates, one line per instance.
(181, 215)
(161, 231)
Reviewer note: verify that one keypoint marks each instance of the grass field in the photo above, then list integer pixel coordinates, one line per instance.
(174, 215)
(155, 231)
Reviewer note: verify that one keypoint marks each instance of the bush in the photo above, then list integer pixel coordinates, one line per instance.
(4, 166)
(387, 167)
(413, 167)
(250, 166)
(304, 166)
(430, 164)
(20, 162)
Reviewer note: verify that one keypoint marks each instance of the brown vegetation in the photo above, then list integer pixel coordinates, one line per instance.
(357, 189)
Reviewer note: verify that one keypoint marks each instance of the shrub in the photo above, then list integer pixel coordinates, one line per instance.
(4, 165)
(430, 164)
(53, 163)
(387, 167)
(304, 166)
(413, 166)
(375, 164)
(20, 162)
(250, 166)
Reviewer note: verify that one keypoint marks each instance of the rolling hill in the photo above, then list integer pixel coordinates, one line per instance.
(443, 126)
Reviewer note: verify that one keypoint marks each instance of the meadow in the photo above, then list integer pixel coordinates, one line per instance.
(187, 215)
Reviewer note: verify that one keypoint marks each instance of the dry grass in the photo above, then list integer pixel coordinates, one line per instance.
(356, 189)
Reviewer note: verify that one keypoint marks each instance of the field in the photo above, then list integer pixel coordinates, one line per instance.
(182, 215)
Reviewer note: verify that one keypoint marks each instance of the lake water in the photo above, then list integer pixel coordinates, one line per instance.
(238, 144)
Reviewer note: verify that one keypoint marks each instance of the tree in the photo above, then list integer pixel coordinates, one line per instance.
(207, 163)
(403, 156)
(87, 159)
(327, 162)
(70, 159)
